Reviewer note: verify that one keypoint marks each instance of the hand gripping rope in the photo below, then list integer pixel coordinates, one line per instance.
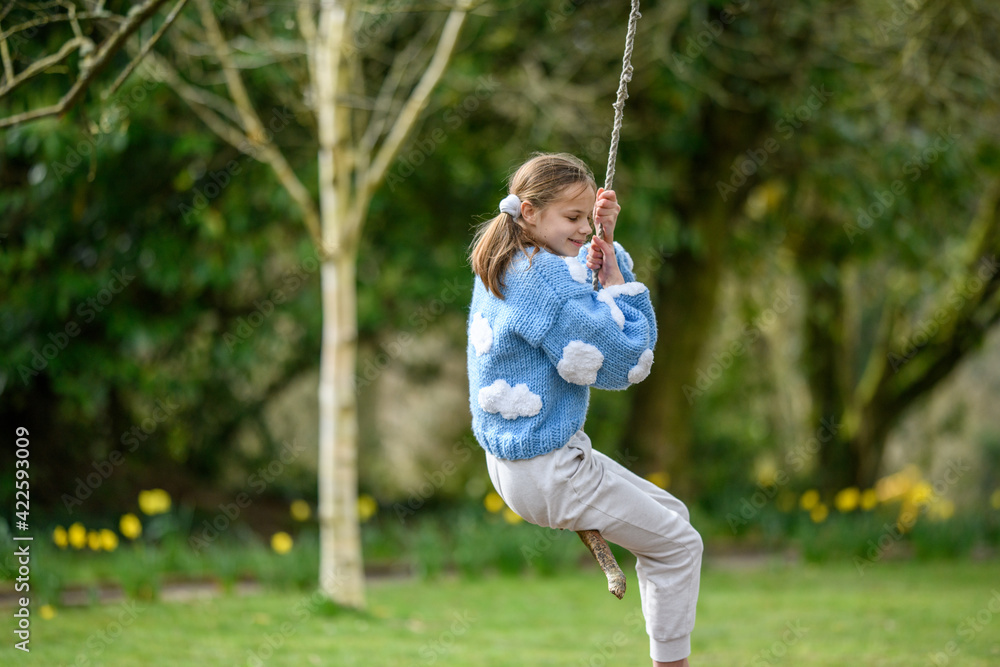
(592, 538)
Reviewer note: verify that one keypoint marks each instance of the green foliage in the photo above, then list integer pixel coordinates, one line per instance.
(955, 538)
(127, 288)
(473, 544)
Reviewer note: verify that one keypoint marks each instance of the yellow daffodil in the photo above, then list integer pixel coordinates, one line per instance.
(941, 510)
(60, 537)
(130, 526)
(819, 513)
(765, 471)
(659, 478)
(847, 499)
(809, 500)
(511, 517)
(109, 541)
(898, 484)
(367, 507)
(281, 542)
(48, 612)
(920, 494)
(77, 536)
(154, 501)
(493, 502)
(869, 499)
(94, 540)
(300, 510)
(995, 499)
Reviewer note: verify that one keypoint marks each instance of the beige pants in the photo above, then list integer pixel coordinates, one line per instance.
(576, 488)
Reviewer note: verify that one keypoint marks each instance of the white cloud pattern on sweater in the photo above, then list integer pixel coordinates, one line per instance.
(481, 334)
(640, 371)
(576, 270)
(510, 402)
(580, 363)
(608, 294)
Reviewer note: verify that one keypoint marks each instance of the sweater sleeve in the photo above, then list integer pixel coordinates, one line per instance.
(625, 263)
(602, 339)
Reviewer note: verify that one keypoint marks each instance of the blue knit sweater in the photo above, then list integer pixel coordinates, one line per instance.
(534, 355)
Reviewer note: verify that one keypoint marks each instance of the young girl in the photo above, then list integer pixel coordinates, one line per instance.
(539, 338)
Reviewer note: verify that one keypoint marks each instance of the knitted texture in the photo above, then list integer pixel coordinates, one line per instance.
(534, 355)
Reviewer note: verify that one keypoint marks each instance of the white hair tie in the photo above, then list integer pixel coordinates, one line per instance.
(511, 205)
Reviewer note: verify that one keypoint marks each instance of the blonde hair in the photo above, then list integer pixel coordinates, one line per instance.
(541, 180)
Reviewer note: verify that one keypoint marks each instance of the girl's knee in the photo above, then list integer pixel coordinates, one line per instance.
(684, 548)
(696, 545)
(691, 540)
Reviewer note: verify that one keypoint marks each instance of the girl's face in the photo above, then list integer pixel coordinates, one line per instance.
(563, 226)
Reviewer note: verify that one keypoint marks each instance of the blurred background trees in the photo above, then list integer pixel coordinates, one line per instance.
(809, 189)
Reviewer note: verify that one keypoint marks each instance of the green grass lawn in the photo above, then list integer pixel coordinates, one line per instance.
(895, 614)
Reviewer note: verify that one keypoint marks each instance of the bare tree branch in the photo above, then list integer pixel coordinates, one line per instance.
(387, 93)
(254, 128)
(418, 99)
(234, 83)
(40, 65)
(209, 107)
(8, 65)
(975, 313)
(145, 49)
(71, 16)
(138, 15)
(195, 94)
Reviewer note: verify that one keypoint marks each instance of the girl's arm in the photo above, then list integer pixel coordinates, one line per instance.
(604, 339)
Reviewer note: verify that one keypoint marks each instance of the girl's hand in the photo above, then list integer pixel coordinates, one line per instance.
(601, 258)
(606, 210)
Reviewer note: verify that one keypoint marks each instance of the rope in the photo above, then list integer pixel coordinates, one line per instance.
(619, 105)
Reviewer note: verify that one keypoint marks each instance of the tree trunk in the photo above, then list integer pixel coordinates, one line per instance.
(660, 423)
(659, 429)
(341, 576)
(825, 368)
(898, 373)
(868, 445)
(341, 573)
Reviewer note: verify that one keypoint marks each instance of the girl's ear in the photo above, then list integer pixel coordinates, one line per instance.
(528, 212)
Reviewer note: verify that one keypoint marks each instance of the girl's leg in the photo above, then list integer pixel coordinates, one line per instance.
(575, 489)
(661, 496)
(667, 500)
(653, 525)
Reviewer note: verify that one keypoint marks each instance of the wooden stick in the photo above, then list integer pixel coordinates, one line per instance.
(606, 559)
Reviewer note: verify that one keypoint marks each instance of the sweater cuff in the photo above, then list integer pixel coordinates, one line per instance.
(609, 294)
(625, 263)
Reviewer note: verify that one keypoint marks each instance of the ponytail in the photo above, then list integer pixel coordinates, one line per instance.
(496, 243)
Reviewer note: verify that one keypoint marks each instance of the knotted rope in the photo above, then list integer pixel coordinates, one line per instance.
(619, 105)
(592, 538)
